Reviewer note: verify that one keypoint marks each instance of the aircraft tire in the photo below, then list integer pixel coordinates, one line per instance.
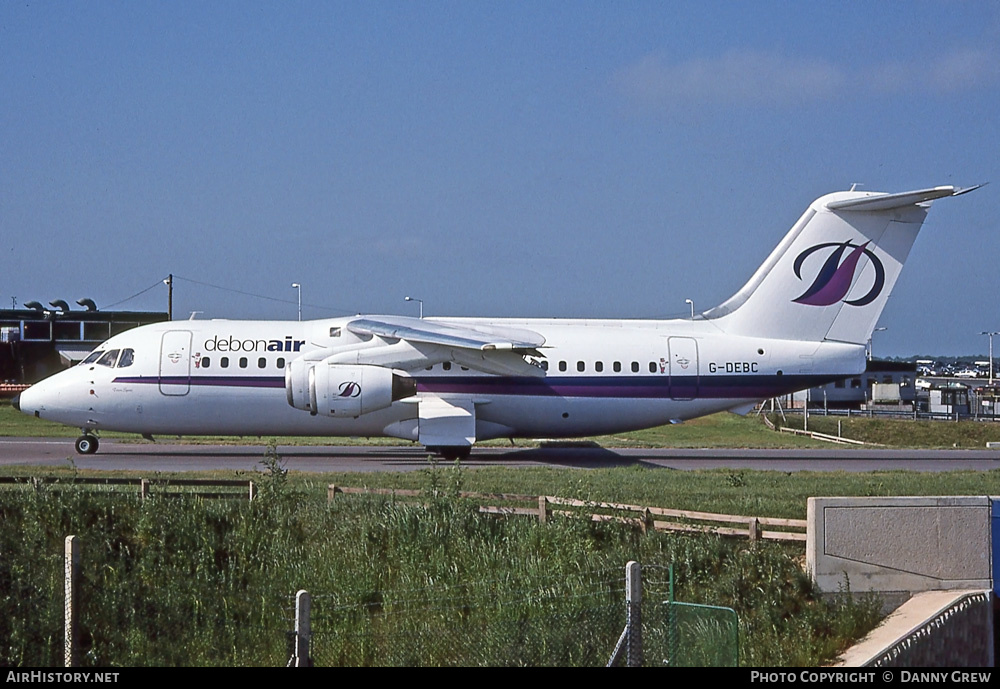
(87, 444)
(451, 453)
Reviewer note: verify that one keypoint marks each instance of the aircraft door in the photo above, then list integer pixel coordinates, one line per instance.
(683, 353)
(175, 362)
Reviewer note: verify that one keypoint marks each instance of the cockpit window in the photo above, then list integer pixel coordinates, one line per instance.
(128, 356)
(109, 358)
(92, 357)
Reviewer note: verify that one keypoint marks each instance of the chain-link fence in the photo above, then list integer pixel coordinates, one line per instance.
(558, 622)
(591, 619)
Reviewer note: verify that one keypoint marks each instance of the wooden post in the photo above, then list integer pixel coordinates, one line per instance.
(754, 529)
(543, 509)
(70, 614)
(144, 489)
(253, 491)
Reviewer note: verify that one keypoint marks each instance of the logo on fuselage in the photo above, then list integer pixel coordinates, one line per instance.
(836, 277)
(232, 344)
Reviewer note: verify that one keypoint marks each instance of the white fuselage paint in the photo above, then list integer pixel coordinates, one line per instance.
(168, 389)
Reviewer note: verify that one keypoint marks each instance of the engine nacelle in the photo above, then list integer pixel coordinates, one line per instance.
(297, 384)
(344, 389)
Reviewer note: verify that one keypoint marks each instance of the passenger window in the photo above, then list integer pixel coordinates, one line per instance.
(544, 365)
(580, 366)
(446, 366)
(635, 367)
(599, 366)
(617, 366)
(109, 358)
(128, 356)
(652, 367)
(224, 362)
(261, 362)
(281, 362)
(243, 362)
(562, 365)
(206, 362)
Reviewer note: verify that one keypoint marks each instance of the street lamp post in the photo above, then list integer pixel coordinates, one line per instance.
(990, 334)
(691, 304)
(419, 301)
(298, 288)
(877, 330)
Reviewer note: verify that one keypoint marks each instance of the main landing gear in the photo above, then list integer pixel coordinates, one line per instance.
(87, 444)
(452, 452)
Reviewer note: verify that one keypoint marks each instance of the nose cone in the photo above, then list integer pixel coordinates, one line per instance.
(34, 399)
(64, 398)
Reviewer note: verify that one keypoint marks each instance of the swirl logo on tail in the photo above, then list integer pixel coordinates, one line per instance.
(835, 278)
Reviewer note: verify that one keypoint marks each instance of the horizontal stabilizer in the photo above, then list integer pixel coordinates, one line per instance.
(884, 202)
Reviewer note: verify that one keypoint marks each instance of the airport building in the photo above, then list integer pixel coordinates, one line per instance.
(885, 385)
(894, 387)
(36, 342)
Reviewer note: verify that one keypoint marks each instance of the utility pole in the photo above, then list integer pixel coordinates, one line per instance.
(169, 282)
(990, 334)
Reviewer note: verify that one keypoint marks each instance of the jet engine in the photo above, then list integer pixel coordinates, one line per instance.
(344, 389)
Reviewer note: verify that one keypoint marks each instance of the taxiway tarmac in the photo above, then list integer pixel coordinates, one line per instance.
(165, 456)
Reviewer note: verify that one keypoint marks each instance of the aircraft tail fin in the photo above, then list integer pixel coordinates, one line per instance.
(831, 275)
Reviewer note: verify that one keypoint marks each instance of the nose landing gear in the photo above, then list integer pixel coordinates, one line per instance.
(87, 444)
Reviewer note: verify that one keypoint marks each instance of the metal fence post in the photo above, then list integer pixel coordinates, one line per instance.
(633, 601)
(71, 570)
(303, 606)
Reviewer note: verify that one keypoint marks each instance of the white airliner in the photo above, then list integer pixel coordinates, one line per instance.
(802, 320)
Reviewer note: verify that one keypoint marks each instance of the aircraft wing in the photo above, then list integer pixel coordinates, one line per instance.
(459, 335)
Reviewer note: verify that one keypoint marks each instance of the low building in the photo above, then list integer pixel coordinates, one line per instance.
(885, 385)
(37, 342)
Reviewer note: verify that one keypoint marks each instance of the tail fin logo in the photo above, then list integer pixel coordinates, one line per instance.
(835, 278)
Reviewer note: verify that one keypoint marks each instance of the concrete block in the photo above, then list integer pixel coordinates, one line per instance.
(899, 543)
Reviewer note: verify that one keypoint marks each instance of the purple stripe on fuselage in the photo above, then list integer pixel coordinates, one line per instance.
(211, 381)
(635, 387)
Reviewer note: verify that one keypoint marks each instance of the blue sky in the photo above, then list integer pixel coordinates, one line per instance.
(493, 159)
